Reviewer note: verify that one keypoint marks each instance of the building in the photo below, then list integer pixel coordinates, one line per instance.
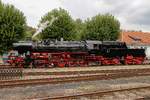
(135, 39)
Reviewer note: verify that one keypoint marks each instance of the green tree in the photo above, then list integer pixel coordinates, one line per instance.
(12, 26)
(79, 28)
(29, 32)
(102, 27)
(60, 25)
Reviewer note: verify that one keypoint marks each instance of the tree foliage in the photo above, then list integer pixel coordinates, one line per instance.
(102, 27)
(29, 32)
(12, 26)
(60, 25)
(79, 28)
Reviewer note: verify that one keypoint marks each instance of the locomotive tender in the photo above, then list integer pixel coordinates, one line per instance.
(52, 53)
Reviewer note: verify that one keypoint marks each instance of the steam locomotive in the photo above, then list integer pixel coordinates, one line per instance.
(53, 53)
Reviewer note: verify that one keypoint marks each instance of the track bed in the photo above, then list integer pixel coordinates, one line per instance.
(41, 92)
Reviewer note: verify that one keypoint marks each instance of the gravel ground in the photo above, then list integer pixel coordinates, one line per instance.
(86, 68)
(126, 95)
(21, 93)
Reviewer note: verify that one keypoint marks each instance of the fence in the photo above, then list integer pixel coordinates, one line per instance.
(10, 73)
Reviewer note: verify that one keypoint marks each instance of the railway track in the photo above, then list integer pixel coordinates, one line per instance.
(96, 93)
(10, 66)
(144, 70)
(7, 66)
(75, 76)
(108, 76)
(144, 98)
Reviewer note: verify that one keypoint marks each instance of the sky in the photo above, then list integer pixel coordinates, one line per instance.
(132, 14)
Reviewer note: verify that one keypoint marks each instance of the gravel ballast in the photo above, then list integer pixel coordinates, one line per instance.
(21, 93)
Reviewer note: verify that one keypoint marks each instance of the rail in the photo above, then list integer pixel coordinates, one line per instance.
(58, 80)
(97, 93)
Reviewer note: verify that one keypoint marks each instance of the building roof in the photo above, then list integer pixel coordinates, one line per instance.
(135, 38)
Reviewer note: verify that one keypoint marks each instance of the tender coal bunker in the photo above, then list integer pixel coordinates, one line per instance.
(136, 52)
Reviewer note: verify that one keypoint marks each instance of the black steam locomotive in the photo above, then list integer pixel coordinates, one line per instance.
(53, 53)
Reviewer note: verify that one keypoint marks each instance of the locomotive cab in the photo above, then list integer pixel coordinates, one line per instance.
(23, 46)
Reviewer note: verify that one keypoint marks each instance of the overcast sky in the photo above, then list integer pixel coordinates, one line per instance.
(132, 14)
